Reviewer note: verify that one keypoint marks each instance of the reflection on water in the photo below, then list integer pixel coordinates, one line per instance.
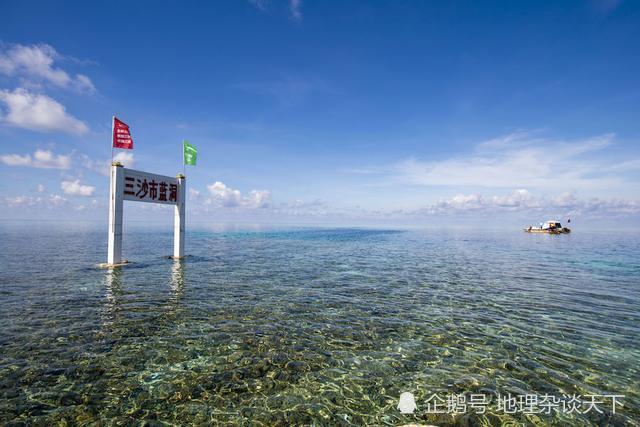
(113, 290)
(176, 286)
(177, 280)
(315, 326)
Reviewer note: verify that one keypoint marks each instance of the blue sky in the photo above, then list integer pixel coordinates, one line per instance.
(386, 112)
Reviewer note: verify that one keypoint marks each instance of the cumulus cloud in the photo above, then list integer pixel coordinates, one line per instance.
(521, 200)
(16, 160)
(36, 62)
(259, 198)
(41, 159)
(34, 205)
(74, 188)
(29, 201)
(520, 160)
(516, 200)
(17, 201)
(519, 203)
(37, 112)
(102, 167)
(228, 197)
(301, 208)
(194, 194)
(225, 202)
(57, 200)
(126, 158)
(94, 204)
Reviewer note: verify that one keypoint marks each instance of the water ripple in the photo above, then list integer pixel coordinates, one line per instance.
(314, 326)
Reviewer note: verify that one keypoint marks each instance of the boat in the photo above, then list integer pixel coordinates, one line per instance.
(549, 227)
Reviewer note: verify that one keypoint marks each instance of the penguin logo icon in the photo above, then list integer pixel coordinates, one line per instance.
(407, 404)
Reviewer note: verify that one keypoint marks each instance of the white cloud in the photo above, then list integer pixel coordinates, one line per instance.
(228, 197)
(517, 198)
(194, 194)
(74, 188)
(259, 198)
(260, 4)
(16, 160)
(36, 62)
(57, 200)
(84, 83)
(103, 166)
(17, 201)
(84, 207)
(41, 159)
(301, 208)
(517, 160)
(462, 202)
(294, 8)
(28, 201)
(41, 188)
(126, 158)
(38, 112)
(566, 204)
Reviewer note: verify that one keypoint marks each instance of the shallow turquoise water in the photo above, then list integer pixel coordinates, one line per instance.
(313, 326)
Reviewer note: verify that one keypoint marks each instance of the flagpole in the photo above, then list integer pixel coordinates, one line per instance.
(113, 119)
(183, 167)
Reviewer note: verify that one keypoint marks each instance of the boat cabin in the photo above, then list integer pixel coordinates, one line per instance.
(551, 225)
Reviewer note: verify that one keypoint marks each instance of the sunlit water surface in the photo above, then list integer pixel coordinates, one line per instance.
(313, 326)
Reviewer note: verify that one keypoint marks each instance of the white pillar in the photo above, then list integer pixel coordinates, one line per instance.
(116, 188)
(178, 222)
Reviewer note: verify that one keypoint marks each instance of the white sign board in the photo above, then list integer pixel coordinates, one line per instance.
(129, 184)
(148, 187)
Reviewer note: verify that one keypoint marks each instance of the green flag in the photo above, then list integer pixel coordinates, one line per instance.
(190, 153)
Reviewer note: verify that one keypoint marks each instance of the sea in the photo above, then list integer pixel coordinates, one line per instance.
(288, 325)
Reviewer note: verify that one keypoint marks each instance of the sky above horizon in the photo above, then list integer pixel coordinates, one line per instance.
(390, 112)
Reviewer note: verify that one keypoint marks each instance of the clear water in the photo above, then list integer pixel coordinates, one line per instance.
(313, 326)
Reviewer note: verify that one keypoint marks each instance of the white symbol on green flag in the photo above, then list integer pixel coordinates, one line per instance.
(190, 153)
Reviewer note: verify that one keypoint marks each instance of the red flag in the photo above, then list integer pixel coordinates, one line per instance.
(121, 135)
